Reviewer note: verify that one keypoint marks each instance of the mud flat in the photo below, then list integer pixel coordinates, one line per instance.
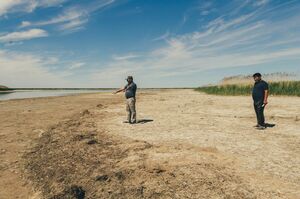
(187, 145)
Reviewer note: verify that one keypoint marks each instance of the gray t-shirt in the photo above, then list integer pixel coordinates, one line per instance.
(130, 90)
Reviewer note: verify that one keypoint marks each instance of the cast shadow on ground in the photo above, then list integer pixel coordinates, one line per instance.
(143, 121)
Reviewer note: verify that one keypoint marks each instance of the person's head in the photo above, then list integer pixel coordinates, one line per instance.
(257, 77)
(129, 79)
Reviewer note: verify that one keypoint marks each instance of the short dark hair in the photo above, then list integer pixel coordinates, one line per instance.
(256, 75)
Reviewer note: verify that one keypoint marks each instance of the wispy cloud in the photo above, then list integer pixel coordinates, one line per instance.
(27, 70)
(238, 41)
(162, 37)
(11, 6)
(5, 6)
(72, 18)
(206, 8)
(76, 65)
(261, 2)
(125, 57)
(23, 35)
(238, 34)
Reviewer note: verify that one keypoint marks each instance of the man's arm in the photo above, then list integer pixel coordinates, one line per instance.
(120, 90)
(266, 97)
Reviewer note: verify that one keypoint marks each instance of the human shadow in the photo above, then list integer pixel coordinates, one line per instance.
(270, 125)
(144, 121)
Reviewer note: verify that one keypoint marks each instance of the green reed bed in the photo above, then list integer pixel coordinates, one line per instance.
(276, 88)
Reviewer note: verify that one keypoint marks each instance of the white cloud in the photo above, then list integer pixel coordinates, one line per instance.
(125, 57)
(23, 35)
(76, 65)
(162, 37)
(230, 40)
(70, 14)
(72, 18)
(25, 24)
(13, 43)
(6, 5)
(240, 41)
(49, 3)
(261, 2)
(26, 70)
(206, 7)
(11, 6)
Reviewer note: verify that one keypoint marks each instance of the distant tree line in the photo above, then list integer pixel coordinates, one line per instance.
(4, 88)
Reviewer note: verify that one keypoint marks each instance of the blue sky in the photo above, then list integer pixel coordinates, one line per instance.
(162, 43)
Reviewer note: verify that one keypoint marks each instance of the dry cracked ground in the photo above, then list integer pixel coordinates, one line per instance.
(186, 145)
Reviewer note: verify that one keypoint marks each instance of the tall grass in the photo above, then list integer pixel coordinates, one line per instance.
(276, 88)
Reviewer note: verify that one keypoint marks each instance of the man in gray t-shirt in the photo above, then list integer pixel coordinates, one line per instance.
(130, 91)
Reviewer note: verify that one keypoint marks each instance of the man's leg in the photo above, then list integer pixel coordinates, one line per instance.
(128, 110)
(260, 114)
(256, 112)
(133, 110)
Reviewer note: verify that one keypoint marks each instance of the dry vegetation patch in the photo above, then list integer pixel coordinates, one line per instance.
(75, 160)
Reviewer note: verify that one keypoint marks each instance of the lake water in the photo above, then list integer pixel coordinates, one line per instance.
(45, 93)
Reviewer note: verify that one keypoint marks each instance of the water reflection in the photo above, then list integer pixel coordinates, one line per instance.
(43, 93)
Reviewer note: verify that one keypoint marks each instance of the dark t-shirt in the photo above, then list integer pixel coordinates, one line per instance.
(130, 90)
(258, 92)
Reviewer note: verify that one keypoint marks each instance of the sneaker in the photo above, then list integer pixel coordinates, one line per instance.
(269, 125)
(261, 127)
(133, 122)
(256, 126)
(126, 122)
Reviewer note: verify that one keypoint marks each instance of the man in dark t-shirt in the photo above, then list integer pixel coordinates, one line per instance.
(130, 91)
(260, 95)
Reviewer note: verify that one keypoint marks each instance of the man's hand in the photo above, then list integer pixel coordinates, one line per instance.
(265, 102)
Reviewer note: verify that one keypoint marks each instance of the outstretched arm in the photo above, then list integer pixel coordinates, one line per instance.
(120, 90)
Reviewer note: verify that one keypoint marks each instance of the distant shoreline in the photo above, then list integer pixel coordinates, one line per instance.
(25, 93)
(16, 89)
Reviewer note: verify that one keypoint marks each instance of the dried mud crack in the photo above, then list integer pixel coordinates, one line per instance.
(76, 160)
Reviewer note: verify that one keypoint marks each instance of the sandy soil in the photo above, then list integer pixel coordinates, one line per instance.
(187, 145)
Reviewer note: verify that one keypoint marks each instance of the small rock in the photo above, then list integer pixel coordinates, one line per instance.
(85, 112)
(102, 178)
(3, 151)
(73, 192)
(120, 175)
(90, 142)
(100, 105)
(140, 190)
(158, 170)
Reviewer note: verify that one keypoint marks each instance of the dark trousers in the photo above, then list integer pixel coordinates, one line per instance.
(259, 110)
